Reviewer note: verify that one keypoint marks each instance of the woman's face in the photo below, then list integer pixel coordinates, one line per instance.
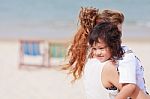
(119, 27)
(101, 51)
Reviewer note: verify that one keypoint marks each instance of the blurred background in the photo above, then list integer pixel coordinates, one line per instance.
(34, 36)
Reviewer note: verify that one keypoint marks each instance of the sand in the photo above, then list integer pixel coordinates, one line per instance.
(48, 83)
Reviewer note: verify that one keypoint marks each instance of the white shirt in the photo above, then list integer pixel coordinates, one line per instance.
(92, 80)
(131, 70)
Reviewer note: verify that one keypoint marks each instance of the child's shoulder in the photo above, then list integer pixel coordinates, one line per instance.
(128, 54)
(126, 48)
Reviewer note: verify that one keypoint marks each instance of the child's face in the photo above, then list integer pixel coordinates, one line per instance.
(101, 51)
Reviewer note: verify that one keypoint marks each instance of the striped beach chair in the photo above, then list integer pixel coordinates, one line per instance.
(56, 53)
(32, 53)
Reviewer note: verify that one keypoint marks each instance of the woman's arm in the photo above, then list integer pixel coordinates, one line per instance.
(127, 90)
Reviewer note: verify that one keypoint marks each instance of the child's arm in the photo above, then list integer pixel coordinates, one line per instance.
(127, 90)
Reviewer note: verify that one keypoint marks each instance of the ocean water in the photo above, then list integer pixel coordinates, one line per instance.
(57, 19)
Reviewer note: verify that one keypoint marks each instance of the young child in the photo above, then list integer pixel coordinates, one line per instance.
(78, 51)
(105, 40)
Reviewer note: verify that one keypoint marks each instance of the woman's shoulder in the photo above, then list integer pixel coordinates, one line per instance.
(109, 73)
(109, 66)
(92, 61)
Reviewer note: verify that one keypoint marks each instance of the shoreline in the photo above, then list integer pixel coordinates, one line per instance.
(62, 32)
(124, 39)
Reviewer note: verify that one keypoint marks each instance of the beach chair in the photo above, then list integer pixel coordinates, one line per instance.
(32, 53)
(56, 53)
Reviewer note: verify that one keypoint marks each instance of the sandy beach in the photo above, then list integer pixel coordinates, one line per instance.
(48, 83)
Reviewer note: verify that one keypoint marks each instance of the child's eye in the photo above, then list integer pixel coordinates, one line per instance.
(101, 48)
(93, 48)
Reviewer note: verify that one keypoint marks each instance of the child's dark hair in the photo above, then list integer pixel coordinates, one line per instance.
(109, 33)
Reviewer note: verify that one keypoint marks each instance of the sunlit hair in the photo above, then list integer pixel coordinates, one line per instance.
(77, 54)
(113, 16)
(110, 35)
(87, 18)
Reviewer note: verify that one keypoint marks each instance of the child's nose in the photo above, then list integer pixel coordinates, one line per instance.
(98, 52)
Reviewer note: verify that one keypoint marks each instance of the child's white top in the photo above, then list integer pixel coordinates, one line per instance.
(92, 80)
(130, 69)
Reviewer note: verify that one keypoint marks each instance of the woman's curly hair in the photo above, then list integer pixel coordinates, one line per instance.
(87, 17)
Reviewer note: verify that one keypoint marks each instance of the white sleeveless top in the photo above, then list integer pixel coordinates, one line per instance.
(92, 80)
(130, 70)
